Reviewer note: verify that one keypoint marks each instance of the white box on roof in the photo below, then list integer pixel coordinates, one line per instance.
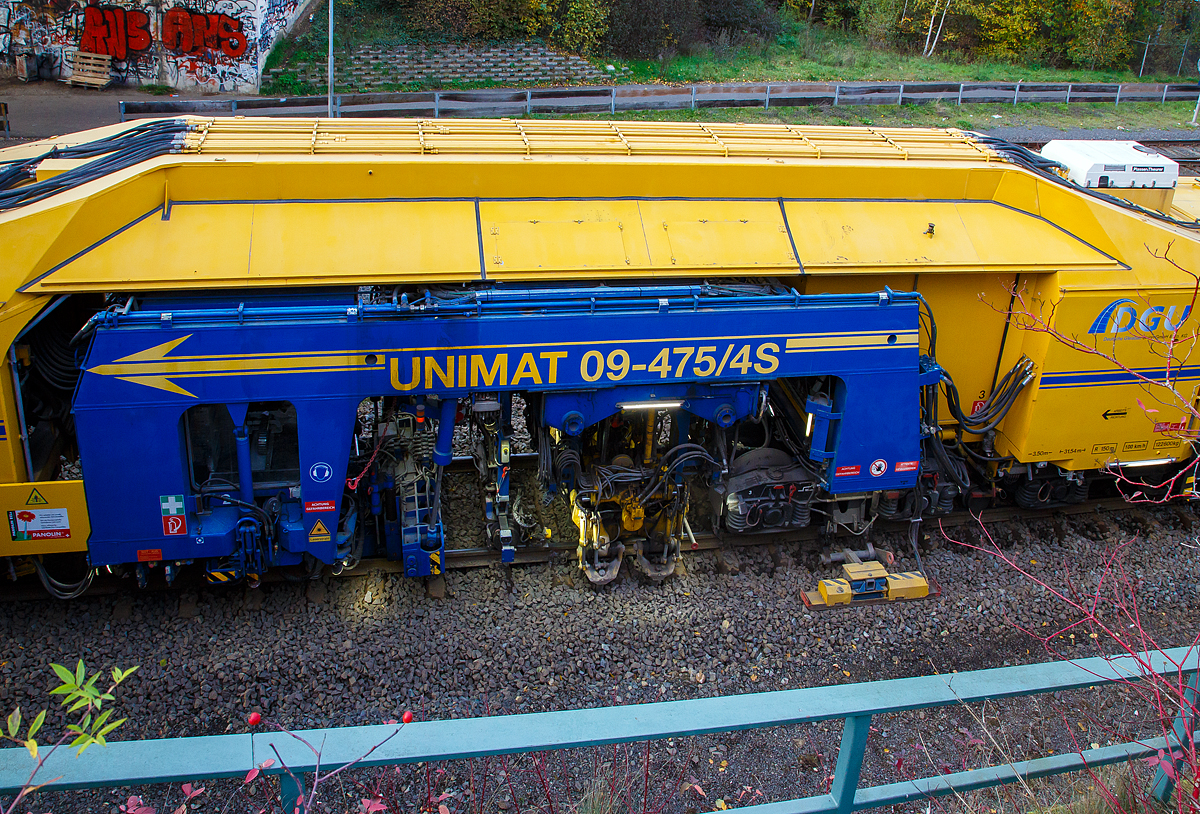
(1112, 164)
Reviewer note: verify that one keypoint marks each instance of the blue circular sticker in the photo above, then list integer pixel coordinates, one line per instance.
(320, 472)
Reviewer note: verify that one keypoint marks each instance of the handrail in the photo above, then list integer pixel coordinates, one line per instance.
(614, 98)
(166, 760)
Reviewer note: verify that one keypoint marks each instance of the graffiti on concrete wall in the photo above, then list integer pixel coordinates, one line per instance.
(210, 44)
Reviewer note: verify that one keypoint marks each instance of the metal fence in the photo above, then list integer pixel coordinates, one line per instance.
(172, 760)
(616, 98)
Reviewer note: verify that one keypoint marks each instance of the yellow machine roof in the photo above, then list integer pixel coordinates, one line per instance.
(256, 202)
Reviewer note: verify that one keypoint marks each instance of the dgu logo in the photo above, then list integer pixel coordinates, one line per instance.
(1121, 316)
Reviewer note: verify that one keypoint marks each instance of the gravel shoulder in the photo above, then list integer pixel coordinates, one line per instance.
(360, 650)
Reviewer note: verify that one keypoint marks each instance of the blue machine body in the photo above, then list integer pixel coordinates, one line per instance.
(589, 350)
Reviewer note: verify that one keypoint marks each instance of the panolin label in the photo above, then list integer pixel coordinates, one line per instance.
(320, 505)
(149, 554)
(907, 466)
(39, 524)
(1167, 426)
(847, 471)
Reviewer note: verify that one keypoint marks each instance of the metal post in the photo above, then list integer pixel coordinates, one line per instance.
(1164, 99)
(849, 762)
(693, 97)
(337, 106)
(960, 90)
(1180, 736)
(612, 105)
(329, 78)
(528, 102)
(1016, 92)
(121, 105)
(1068, 101)
(767, 103)
(900, 97)
(291, 793)
(1118, 96)
(437, 104)
(837, 89)
(233, 106)
(1197, 110)
(1183, 55)
(1147, 51)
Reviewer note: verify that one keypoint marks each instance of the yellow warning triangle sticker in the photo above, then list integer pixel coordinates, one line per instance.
(318, 530)
(36, 499)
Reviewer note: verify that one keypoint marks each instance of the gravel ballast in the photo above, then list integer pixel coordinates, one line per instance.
(361, 649)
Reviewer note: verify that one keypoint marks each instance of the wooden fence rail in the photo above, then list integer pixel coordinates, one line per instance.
(615, 98)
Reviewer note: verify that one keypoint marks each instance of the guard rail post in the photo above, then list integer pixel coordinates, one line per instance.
(837, 89)
(1179, 737)
(1197, 110)
(233, 106)
(900, 96)
(1068, 101)
(528, 102)
(437, 105)
(1118, 102)
(960, 90)
(121, 106)
(767, 101)
(1016, 93)
(337, 106)
(612, 104)
(848, 770)
(1165, 86)
(693, 97)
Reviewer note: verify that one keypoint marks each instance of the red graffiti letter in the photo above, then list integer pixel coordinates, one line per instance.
(177, 30)
(204, 32)
(137, 24)
(115, 17)
(95, 31)
(233, 41)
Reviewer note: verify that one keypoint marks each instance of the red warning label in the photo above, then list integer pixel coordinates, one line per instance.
(1167, 426)
(907, 466)
(320, 506)
(847, 471)
(149, 554)
(174, 525)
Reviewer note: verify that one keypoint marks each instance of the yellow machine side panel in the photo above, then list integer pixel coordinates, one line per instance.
(49, 517)
(1083, 411)
(932, 236)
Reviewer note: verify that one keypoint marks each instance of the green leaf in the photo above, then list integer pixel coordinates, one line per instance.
(31, 745)
(80, 672)
(129, 672)
(91, 682)
(63, 690)
(14, 722)
(80, 704)
(100, 719)
(37, 724)
(64, 675)
(75, 728)
(111, 727)
(116, 674)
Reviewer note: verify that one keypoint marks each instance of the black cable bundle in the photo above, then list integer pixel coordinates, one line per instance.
(112, 154)
(997, 405)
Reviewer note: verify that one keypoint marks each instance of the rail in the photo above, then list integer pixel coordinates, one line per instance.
(616, 98)
(130, 763)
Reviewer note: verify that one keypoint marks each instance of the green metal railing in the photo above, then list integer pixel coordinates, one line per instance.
(171, 760)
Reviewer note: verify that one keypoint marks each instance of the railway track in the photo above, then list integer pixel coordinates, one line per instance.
(28, 588)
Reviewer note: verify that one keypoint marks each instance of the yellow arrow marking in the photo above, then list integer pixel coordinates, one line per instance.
(153, 368)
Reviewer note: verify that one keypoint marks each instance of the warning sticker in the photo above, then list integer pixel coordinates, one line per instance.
(320, 506)
(907, 466)
(318, 533)
(149, 554)
(36, 499)
(878, 467)
(847, 471)
(1167, 426)
(39, 524)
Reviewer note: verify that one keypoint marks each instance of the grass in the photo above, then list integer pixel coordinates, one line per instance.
(817, 54)
(1130, 116)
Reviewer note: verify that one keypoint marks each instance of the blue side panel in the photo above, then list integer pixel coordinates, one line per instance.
(589, 351)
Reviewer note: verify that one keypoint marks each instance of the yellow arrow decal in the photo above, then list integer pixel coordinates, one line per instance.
(154, 368)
